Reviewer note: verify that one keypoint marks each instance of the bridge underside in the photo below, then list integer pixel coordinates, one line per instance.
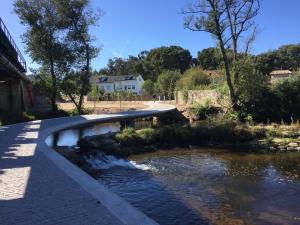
(15, 88)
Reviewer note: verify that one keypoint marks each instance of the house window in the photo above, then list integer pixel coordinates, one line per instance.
(125, 87)
(133, 87)
(129, 87)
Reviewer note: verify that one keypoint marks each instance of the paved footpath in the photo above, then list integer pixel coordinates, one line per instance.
(40, 187)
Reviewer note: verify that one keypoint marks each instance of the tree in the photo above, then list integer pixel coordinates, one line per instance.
(166, 82)
(119, 66)
(227, 21)
(148, 87)
(285, 57)
(95, 94)
(57, 38)
(192, 79)
(42, 38)
(209, 58)
(78, 18)
(169, 58)
(289, 96)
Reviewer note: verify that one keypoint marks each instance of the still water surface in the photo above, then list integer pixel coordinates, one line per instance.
(207, 186)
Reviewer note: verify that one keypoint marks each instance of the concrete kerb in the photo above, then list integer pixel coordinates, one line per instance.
(121, 209)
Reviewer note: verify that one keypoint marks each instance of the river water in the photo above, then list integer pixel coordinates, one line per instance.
(201, 185)
(210, 186)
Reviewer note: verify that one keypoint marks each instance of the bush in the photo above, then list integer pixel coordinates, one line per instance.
(193, 79)
(147, 135)
(288, 93)
(75, 112)
(128, 137)
(203, 110)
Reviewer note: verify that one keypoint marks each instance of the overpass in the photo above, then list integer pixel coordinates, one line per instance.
(15, 88)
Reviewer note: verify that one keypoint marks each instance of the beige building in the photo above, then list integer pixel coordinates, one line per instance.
(277, 75)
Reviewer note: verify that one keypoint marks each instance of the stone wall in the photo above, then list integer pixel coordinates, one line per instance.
(199, 96)
(16, 96)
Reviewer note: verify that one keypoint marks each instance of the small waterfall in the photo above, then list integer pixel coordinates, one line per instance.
(102, 161)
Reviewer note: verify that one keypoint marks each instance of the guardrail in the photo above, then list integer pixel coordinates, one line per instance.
(20, 59)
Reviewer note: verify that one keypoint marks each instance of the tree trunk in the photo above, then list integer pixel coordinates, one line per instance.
(228, 78)
(225, 59)
(54, 87)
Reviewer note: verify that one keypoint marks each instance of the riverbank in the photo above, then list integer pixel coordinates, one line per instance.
(218, 134)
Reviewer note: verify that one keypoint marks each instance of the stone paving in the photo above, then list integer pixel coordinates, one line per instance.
(38, 186)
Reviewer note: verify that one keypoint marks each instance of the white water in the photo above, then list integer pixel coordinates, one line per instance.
(103, 161)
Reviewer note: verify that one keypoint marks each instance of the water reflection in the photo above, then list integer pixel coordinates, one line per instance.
(212, 186)
(70, 137)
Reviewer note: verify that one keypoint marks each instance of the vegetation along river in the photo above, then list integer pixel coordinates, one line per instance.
(203, 185)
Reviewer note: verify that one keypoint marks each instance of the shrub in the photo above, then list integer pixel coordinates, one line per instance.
(289, 97)
(193, 79)
(203, 110)
(147, 135)
(128, 137)
(75, 112)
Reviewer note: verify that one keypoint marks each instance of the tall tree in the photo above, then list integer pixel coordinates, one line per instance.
(78, 17)
(42, 38)
(166, 82)
(227, 21)
(169, 58)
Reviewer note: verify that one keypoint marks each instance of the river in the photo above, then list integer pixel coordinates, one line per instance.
(201, 185)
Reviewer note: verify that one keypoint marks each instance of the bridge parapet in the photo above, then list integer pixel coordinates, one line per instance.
(9, 48)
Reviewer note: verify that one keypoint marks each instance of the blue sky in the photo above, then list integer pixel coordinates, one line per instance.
(130, 26)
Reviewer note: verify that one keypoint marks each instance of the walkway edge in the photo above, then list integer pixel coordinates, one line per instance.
(120, 208)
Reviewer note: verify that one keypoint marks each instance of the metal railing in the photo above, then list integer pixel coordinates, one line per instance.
(19, 58)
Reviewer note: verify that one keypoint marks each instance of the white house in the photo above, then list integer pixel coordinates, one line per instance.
(279, 75)
(127, 83)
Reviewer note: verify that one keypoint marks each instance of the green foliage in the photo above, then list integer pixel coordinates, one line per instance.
(57, 38)
(75, 112)
(148, 135)
(127, 137)
(150, 63)
(285, 57)
(192, 79)
(95, 93)
(202, 111)
(149, 87)
(166, 82)
(118, 66)
(169, 58)
(185, 96)
(183, 135)
(209, 59)
(288, 93)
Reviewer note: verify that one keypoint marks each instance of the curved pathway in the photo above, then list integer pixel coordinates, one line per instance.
(39, 186)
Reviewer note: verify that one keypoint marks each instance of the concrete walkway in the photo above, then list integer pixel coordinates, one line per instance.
(39, 186)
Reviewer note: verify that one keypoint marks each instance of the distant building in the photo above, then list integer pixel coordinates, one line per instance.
(126, 83)
(277, 75)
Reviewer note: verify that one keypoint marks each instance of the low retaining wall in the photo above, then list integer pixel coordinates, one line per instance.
(199, 96)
